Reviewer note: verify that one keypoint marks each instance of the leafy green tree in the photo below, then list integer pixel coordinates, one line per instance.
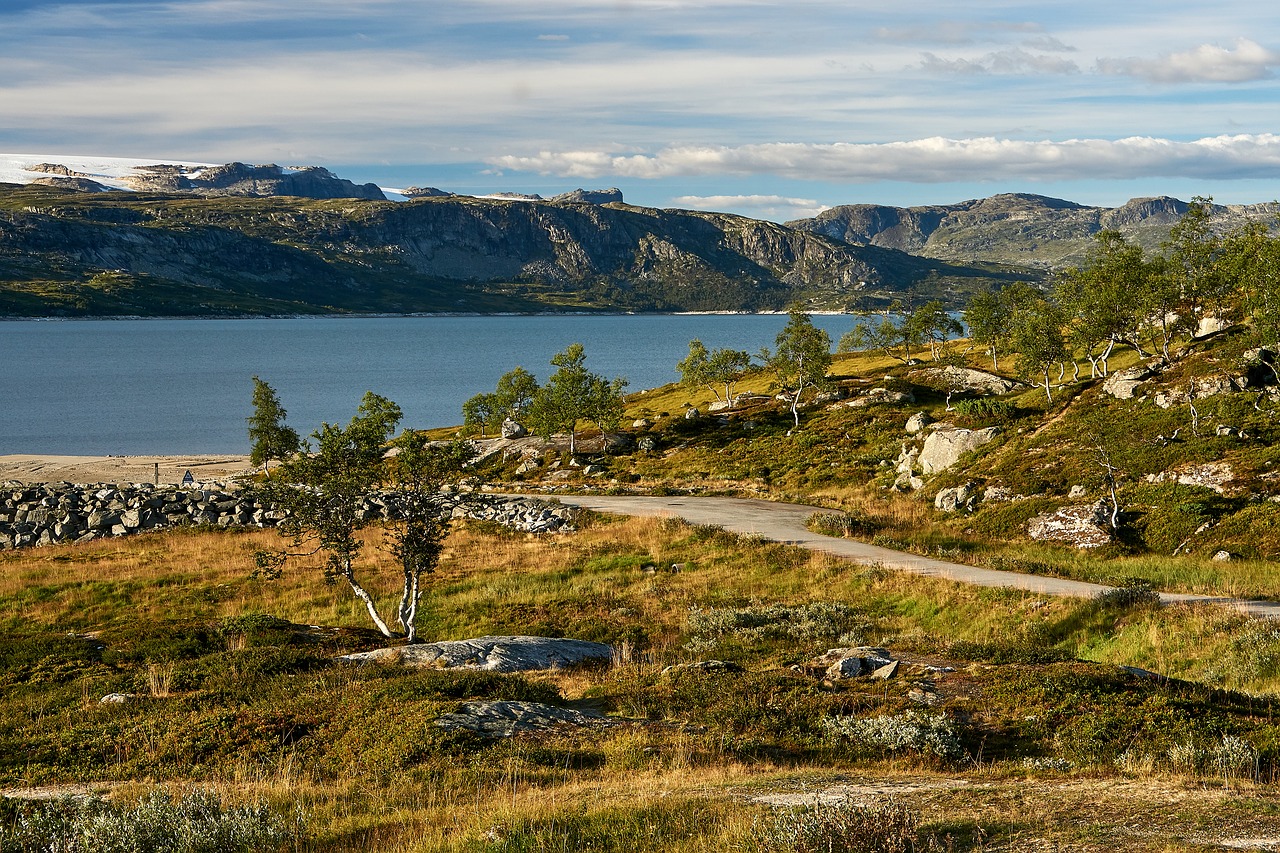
(1100, 299)
(989, 317)
(574, 393)
(801, 358)
(931, 325)
(416, 529)
(1193, 251)
(1039, 341)
(269, 437)
(514, 393)
(322, 494)
(713, 370)
(480, 411)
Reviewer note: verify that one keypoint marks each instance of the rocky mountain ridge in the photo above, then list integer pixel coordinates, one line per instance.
(1014, 228)
(66, 252)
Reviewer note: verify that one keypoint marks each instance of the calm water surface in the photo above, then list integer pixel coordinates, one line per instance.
(182, 386)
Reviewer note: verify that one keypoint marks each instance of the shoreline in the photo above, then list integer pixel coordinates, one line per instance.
(164, 469)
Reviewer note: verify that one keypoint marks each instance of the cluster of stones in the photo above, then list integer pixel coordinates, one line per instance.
(51, 513)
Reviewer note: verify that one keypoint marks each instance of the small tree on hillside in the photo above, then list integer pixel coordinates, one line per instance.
(1099, 298)
(1038, 338)
(269, 437)
(713, 370)
(989, 317)
(479, 412)
(801, 358)
(932, 325)
(514, 393)
(574, 393)
(322, 493)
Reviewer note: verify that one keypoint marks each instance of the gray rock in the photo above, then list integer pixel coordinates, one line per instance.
(692, 414)
(495, 654)
(944, 447)
(962, 498)
(1079, 526)
(887, 671)
(917, 422)
(1217, 476)
(504, 719)
(703, 666)
(641, 423)
(1222, 557)
(965, 379)
(1123, 384)
(647, 443)
(850, 662)
(513, 429)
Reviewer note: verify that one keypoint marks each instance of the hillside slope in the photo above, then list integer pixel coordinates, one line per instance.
(1014, 228)
(64, 252)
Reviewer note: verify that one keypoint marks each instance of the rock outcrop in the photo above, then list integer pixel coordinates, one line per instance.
(953, 377)
(1082, 527)
(504, 719)
(944, 447)
(493, 654)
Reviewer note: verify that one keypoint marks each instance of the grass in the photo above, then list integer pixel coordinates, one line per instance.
(236, 695)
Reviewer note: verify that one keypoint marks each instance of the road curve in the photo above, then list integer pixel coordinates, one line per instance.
(785, 522)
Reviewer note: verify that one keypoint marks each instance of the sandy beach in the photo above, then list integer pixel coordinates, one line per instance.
(40, 468)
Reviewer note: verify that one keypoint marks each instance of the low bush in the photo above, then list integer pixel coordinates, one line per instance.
(911, 731)
(841, 827)
(195, 823)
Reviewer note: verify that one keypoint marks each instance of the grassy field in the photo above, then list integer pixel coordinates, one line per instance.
(1035, 738)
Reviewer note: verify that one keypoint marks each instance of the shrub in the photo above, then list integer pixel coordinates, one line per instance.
(1130, 593)
(842, 525)
(912, 731)
(818, 620)
(985, 410)
(841, 827)
(196, 823)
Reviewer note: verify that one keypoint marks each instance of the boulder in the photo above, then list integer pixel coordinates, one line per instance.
(504, 719)
(495, 654)
(944, 447)
(1123, 384)
(850, 662)
(513, 429)
(879, 397)
(1085, 526)
(916, 423)
(961, 498)
(1210, 475)
(647, 443)
(692, 414)
(953, 377)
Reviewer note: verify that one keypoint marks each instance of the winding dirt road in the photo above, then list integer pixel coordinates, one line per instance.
(782, 522)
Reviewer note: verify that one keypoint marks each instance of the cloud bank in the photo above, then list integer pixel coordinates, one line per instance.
(934, 160)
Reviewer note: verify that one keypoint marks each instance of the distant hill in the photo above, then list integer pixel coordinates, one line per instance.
(64, 251)
(1013, 228)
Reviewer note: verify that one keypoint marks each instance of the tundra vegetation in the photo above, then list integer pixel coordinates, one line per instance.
(1011, 721)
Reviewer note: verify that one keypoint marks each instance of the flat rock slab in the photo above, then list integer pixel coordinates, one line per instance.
(495, 654)
(504, 719)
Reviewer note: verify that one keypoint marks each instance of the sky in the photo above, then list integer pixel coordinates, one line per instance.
(775, 110)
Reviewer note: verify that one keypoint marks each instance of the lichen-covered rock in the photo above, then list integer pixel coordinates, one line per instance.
(1086, 526)
(916, 423)
(944, 447)
(1217, 476)
(1123, 384)
(504, 719)
(962, 498)
(953, 377)
(494, 654)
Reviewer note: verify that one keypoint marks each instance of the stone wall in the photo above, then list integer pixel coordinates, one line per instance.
(45, 514)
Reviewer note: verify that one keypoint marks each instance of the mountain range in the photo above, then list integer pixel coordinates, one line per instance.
(203, 240)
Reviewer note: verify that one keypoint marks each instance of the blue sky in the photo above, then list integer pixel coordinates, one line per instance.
(774, 110)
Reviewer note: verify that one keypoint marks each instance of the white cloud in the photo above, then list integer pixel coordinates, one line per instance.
(934, 160)
(775, 207)
(1014, 60)
(1207, 63)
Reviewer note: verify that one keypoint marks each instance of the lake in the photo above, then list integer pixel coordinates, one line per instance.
(137, 387)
